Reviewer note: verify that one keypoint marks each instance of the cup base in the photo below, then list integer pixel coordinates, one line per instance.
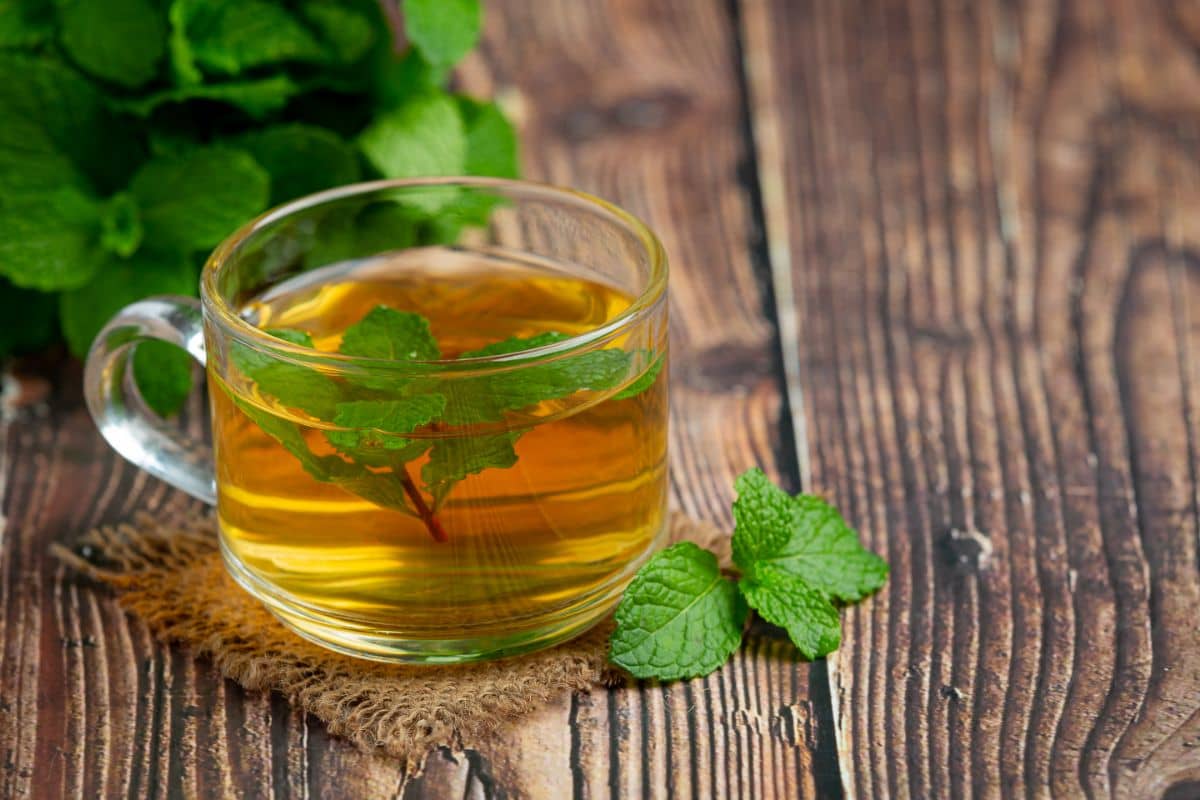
(344, 636)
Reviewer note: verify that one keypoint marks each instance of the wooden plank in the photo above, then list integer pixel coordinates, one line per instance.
(989, 210)
(641, 103)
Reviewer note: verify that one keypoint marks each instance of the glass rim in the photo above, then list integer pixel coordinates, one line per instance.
(651, 295)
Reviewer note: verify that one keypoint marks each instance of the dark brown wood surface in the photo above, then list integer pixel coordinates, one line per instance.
(934, 259)
(986, 227)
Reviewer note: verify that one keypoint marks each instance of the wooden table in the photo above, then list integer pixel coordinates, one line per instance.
(938, 260)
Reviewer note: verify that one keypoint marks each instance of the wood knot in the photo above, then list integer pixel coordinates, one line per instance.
(646, 112)
(748, 718)
(725, 366)
(72, 642)
(953, 693)
(946, 337)
(968, 551)
(797, 726)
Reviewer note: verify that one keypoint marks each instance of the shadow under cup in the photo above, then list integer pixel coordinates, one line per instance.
(479, 480)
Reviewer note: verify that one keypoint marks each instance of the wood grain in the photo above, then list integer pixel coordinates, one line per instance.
(642, 103)
(971, 321)
(982, 225)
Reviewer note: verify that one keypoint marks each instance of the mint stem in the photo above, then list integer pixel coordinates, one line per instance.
(432, 523)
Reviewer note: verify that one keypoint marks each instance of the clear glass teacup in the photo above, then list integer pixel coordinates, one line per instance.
(439, 412)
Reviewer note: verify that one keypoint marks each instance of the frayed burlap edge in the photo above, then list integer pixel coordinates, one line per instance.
(171, 576)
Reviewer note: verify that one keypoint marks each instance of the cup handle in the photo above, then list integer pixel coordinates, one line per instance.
(134, 431)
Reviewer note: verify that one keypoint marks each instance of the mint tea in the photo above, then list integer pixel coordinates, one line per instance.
(439, 411)
(483, 479)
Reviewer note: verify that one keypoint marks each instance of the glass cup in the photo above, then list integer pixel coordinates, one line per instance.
(397, 501)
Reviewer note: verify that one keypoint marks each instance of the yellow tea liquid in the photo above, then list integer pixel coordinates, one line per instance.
(532, 552)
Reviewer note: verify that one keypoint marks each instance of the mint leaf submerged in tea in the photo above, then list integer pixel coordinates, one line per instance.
(378, 423)
(487, 397)
(385, 333)
(451, 460)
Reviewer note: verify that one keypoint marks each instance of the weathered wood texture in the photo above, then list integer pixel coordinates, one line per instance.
(983, 217)
(640, 102)
(982, 262)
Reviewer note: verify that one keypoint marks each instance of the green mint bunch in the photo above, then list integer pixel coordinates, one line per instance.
(682, 618)
(375, 416)
(137, 134)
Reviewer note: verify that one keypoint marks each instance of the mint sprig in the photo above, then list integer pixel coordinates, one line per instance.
(680, 618)
(386, 422)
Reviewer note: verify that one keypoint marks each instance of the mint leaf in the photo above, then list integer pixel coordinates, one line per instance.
(679, 618)
(50, 241)
(301, 159)
(825, 552)
(195, 200)
(396, 81)
(453, 459)
(288, 434)
(30, 319)
(371, 427)
(348, 33)
(762, 516)
(803, 536)
(289, 384)
(346, 233)
(644, 382)
(258, 97)
(385, 333)
(381, 227)
(118, 283)
(118, 40)
(228, 37)
(485, 398)
(377, 450)
(44, 105)
(164, 375)
(383, 489)
(422, 137)
(292, 336)
(783, 599)
(57, 132)
(516, 344)
(389, 416)
(25, 23)
(491, 140)
(121, 225)
(444, 30)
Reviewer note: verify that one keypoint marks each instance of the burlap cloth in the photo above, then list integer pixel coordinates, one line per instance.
(170, 575)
